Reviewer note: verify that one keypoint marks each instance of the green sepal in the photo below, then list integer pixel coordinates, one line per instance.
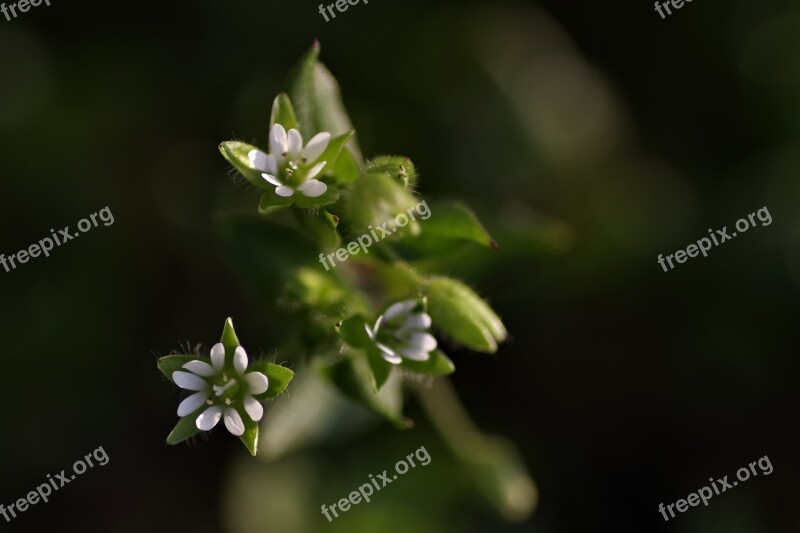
(463, 315)
(438, 365)
(271, 202)
(278, 376)
(169, 364)
(377, 198)
(250, 436)
(283, 113)
(353, 332)
(229, 339)
(186, 428)
(235, 153)
(381, 368)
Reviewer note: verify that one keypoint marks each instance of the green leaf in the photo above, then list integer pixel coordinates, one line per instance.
(250, 436)
(381, 368)
(271, 202)
(172, 363)
(185, 428)
(463, 315)
(317, 100)
(279, 378)
(399, 167)
(352, 376)
(438, 365)
(455, 221)
(345, 168)
(283, 112)
(235, 153)
(319, 292)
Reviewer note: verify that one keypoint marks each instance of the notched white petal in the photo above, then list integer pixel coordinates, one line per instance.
(295, 143)
(315, 170)
(414, 354)
(240, 360)
(234, 422)
(421, 321)
(313, 188)
(218, 356)
(189, 381)
(278, 141)
(208, 418)
(422, 341)
(258, 382)
(272, 180)
(262, 162)
(192, 403)
(315, 147)
(201, 368)
(254, 408)
(399, 309)
(284, 191)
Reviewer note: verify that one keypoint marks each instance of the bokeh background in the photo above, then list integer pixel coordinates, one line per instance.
(589, 136)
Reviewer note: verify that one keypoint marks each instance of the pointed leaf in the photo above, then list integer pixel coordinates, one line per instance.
(353, 332)
(317, 100)
(381, 368)
(378, 199)
(454, 221)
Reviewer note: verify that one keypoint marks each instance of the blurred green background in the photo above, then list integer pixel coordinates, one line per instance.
(589, 136)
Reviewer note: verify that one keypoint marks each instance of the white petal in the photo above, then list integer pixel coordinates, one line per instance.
(271, 179)
(218, 356)
(254, 408)
(370, 333)
(258, 382)
(295, 143)
(389, 355)
(313, 188)
(399, 309)
(263, 162)
(208, 418)
(378, 324)
(385, 349)
(189, 381)
(422, 341)
(315, 146)
(278, 142)
(240, 360)
(192, 403)
(420, 321)
(413, 354)
(315, 170)
(284, 191)
(234, 422)
(201, 368)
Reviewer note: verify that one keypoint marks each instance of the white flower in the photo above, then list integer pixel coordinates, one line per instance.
(289, 159)
(225, 391)
(402, 331)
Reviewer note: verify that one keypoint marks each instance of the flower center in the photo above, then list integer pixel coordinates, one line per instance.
(227, 390)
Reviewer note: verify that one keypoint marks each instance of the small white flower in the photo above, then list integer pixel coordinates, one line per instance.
(402, 331)
(224, 392)
(289, 158)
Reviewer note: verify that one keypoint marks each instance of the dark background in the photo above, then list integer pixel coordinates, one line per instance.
(623, 386)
